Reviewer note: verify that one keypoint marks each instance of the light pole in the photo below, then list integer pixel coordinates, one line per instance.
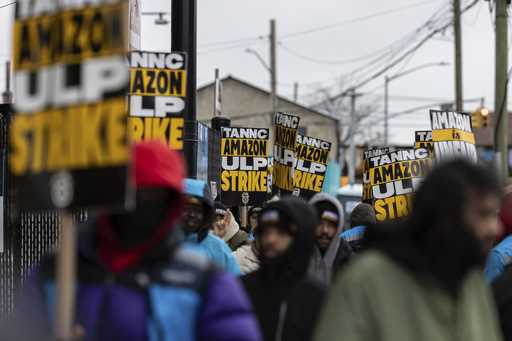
(386, 92)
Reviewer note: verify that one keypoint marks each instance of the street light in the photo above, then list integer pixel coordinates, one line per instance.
(386, 95)
(269, 69)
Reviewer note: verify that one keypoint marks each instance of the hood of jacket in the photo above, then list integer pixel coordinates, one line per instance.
(155, 166)
(291, 266)
(321, 267)
(231, 228)
(200, 190)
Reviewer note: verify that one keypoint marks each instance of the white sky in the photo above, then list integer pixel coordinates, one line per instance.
(225, 20)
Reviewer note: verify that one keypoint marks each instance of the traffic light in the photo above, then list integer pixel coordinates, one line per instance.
(476, 119)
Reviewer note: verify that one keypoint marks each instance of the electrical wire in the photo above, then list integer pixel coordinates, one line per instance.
(9, 4)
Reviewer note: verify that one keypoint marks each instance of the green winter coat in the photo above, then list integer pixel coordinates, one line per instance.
(377, 300)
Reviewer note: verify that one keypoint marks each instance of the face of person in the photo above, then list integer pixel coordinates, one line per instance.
(219, 226)
(193, 216)
(274, 241)
(325, 233)
(482, 217)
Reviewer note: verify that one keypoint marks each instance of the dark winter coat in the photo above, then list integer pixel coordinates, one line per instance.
(286, 302)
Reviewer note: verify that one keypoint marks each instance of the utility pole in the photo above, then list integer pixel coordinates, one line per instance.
(386, 111)
(296, 92)
(458, 56)
(500, 99)
(273, 65)
(7, 94)
(352, 146)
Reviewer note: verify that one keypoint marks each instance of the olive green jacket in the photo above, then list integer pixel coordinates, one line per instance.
(375, 299)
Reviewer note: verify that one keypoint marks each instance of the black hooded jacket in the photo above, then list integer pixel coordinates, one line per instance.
(285, 301)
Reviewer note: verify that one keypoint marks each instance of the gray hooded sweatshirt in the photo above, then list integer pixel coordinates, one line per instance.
(323, 268)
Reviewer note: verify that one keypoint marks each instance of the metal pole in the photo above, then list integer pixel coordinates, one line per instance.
(7, 94)
(216, 93)
(386, 111)
(184, 38)
(500, 100)
(273, 65)
(352, 148)
(458, 56)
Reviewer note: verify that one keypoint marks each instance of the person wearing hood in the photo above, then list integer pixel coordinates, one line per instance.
(254, 213)
(247, 255)
(362, 216)
(136, 279)
(197, 222)
(330, 252)
(421, 279)
(226, 228)
(285, 301)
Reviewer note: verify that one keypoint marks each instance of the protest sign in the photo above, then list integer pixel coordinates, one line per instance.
(245, 161)
(367, 186)
(452, 135)
(310, 165)
(392, 178)
(158, 88)
(285, 136)
(68, 137)
(423, 139)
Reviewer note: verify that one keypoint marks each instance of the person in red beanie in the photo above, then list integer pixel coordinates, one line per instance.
(137, 280)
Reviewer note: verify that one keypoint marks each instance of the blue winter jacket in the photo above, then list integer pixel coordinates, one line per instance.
(499, 257)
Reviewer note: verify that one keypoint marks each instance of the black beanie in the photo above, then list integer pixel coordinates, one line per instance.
(327, 211)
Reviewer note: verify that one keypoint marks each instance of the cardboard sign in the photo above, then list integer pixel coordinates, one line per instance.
(245, 161)
(310, 165)
(367, 196)
(285, 137)
(392, 179)
(423, 139)
(68, 137)
(158, 88)
(452, 135)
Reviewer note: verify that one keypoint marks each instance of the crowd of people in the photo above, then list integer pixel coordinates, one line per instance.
(179, 266)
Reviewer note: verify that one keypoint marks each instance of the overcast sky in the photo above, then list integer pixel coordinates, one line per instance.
(235, 20)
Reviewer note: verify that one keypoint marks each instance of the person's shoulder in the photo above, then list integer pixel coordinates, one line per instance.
(368, 265)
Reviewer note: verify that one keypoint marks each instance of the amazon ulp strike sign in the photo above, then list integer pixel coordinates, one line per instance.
(310, 165)
(158, 88)
(423, 139)
(68, 137)
(452, 135)
(367, 196)
(245, 161)
(285, 136)
(392, 179)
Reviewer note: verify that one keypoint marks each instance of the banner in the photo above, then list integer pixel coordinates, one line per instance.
(158, 88)
(452, 135)
(68, 137)
(245, 161)
(392, 178)
(285, 136)
(310, 165)
(423, 139)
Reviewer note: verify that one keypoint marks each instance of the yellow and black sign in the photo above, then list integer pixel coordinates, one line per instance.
(391, 180)
(68, 138)
(367, 187)
(158, 89)
(245, 166)
(285, 136)
(310, 165)
(423, 139)
(452, 135)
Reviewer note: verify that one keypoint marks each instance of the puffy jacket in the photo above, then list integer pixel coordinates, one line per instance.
(499, 257)
(247, 258)
(204, 241)
(234, 237)
(322, 268)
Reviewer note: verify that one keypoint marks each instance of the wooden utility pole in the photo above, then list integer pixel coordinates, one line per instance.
(458, 56)
(500, 99)
(273, 65)
(296, 91)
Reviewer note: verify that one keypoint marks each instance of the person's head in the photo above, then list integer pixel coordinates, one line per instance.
(362, 215)
(457, 205)
(219, 220)
(199, 210)
(254, 214)
(330, 216)
(159, 176)
(286, 237)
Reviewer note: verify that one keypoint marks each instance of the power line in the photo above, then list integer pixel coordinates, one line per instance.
(9, 4)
